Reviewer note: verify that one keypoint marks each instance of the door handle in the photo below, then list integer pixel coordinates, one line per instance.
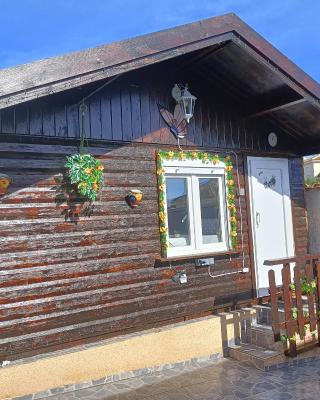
(257, 219)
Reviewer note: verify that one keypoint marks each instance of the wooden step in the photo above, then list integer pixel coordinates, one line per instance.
(262, 336)
(263, 314)
(256, 356)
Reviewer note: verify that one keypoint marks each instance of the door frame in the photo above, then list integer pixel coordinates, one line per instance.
(252, 234)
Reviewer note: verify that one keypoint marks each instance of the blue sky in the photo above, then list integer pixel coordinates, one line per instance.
(34, 29)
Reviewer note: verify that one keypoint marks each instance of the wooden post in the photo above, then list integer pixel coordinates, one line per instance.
(290, 322)
(297, 282)
(274, 305)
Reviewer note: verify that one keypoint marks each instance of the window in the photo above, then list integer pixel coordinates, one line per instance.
(196, 212)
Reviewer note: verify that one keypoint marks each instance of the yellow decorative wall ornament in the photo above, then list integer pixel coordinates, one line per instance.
(4, 183)
(134, 198)
(206, 158)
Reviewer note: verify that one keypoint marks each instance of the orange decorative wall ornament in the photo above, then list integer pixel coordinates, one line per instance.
(4, 184)
(134, 198)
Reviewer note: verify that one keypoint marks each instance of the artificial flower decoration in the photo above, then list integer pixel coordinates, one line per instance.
(162, 216)
(86, 174)
(160, 171)
(4, 184)
(206, 158)
(194, 155)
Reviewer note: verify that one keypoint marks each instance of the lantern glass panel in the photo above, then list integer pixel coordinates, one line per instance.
(188, 106)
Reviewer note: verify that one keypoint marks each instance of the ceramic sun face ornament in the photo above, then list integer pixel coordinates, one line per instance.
(134, 198)
(4, 184)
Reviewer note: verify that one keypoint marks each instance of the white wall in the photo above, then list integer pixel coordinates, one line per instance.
(308, 170)
(311, 168)
(312, 197)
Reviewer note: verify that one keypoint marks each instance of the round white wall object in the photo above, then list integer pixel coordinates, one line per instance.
(272, 139)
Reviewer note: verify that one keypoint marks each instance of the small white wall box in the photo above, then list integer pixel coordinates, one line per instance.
(180, 277)
(183, 277)
(204, 262)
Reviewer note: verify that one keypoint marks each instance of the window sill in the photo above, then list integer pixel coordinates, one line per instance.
(196, 256)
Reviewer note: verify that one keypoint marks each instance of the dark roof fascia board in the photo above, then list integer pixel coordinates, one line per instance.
(283, 75)
(108, 71)
(41, 78)
(260, 45)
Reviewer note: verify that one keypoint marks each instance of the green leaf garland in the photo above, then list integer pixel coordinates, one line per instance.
(206, 158)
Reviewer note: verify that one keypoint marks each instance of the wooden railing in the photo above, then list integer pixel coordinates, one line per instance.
(300, 294)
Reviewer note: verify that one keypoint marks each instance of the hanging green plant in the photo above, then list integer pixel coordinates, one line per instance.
(86, 173)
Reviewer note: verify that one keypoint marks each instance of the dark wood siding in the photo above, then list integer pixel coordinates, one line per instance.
(299, 216)
(65, 276)
(69, 272)
(127, 110)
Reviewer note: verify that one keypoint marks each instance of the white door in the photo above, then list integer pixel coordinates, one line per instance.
(270, 215)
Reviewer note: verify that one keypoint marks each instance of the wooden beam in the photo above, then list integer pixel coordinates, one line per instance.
(277, 108)
(287, 260)
(206, 53)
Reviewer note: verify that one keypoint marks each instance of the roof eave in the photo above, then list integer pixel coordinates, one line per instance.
(76, 69)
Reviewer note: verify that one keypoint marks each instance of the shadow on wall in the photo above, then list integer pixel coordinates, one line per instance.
(66, 194)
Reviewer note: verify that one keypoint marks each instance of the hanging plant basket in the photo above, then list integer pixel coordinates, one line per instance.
(86, 174)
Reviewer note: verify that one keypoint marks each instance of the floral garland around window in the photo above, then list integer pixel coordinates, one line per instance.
(206, 158)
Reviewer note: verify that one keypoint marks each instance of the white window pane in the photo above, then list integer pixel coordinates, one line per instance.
(210, 210)
(178, 212)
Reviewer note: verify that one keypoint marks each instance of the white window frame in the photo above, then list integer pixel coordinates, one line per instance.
(192, 170)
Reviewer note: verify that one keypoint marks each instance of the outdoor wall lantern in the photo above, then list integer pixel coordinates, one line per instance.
(186, 100)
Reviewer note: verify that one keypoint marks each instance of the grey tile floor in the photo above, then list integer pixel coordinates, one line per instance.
(224, 380)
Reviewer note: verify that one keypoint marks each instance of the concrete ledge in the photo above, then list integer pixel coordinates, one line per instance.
(120, 377)
(121, 357)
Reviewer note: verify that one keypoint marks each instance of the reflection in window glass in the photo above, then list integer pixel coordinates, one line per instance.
(178, 212)
(210, 210)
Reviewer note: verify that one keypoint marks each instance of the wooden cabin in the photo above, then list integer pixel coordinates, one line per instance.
(216, 203)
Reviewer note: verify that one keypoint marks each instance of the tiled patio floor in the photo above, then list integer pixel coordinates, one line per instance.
(225, 380)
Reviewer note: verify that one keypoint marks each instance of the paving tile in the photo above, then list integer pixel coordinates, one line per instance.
(41, 395)
(57, 390)
(65, 396)
(212, 390)
(224, 380)
(274, 395)
(174, 395)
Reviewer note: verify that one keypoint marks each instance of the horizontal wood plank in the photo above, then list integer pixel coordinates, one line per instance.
(64, 279)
